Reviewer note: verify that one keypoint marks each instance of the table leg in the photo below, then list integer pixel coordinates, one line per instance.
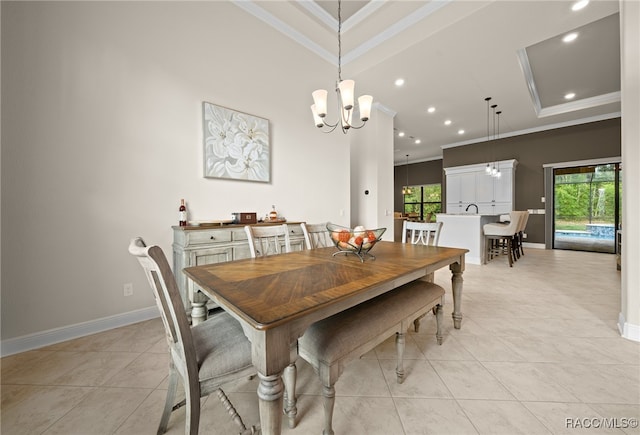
(456, 285)
(198, 308)
(290, 408)
(270, 392)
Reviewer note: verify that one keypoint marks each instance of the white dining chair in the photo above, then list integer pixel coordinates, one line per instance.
(268, 240)
(425, 233)
(204, 357)
(316, 235)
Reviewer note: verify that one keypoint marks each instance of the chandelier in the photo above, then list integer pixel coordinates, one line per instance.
(345, 93)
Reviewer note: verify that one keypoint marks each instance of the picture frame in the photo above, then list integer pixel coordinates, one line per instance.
(236, 145)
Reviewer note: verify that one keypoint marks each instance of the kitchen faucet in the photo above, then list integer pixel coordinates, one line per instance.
(472, 204)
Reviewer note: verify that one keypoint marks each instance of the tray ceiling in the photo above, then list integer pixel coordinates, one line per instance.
(453, 54)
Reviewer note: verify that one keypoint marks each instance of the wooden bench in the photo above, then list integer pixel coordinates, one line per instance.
(328, 345)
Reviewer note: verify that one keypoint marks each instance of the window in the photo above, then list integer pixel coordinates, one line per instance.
(423, 202)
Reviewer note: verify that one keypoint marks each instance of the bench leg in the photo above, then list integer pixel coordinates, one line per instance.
(328, 400)
(400, 354)
(289, 379)
(439, 311)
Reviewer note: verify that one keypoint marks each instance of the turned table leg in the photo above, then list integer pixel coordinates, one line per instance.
(290, 408)
(270, 392)
(198, 305)
(456, 284)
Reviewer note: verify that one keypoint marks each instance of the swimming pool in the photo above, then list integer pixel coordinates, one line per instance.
(582, 235)
(593, 231)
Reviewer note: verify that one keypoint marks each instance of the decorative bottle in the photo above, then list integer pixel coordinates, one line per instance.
(273, 214)
(182, 214)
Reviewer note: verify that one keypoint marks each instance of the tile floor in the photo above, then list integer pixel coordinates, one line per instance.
(538, 352)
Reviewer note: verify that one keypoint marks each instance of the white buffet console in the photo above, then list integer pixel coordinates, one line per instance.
(463, 230)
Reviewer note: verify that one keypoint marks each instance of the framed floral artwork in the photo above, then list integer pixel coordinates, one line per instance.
(236, 145)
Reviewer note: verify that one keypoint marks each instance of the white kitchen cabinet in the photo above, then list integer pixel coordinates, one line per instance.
(459, 195)
(472, 185)
(503, 187)
(484, 187)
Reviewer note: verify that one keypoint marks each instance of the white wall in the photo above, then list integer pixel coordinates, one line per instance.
(102, 136)
(629, 321)
(372, 172)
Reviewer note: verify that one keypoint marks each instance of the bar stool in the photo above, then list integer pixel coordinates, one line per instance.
(501, 237)
(520, 234)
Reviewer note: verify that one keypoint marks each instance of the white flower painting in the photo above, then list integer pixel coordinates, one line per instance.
(236, 145)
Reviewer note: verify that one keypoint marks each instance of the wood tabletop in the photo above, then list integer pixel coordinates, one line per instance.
(269, 291)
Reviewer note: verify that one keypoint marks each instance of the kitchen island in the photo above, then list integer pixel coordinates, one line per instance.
(464, 230)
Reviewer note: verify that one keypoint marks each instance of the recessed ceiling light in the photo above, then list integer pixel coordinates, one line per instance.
(570, 37)
(570, 96)
(431, 109)
(579, 5)
(399, 82)
(417, 141)
(401, 134)
(447, 122)
(461, 131)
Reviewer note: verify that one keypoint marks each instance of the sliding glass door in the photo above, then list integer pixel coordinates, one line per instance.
(586, 207)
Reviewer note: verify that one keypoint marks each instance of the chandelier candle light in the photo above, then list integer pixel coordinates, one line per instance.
(345, 92)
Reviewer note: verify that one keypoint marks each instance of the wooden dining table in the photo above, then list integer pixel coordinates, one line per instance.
(275, 299)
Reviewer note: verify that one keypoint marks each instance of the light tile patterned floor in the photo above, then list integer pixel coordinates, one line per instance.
(538, 345)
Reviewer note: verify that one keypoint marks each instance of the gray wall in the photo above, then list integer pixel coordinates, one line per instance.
(419, 173)
(594, 140)
(582, 142)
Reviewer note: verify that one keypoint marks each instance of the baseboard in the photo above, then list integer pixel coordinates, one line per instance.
(533, 245)
(627, 330)
(58, 335)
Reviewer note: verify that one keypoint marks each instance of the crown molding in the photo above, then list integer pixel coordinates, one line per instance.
(603, 117)
(314, 9)
(572, 106)
(386, 34)
(585, 103)
(255, 10)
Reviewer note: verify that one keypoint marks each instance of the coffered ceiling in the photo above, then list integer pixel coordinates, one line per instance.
(453, 54)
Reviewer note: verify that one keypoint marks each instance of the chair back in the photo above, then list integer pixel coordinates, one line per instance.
(517, 218)
(172, 310)
(427, 233)
(316, 235)
(268, 240)
(523, 221)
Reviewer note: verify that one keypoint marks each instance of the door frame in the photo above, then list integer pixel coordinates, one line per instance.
(549, 195)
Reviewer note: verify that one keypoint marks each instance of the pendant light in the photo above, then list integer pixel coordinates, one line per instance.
(488, 168)
(494, 171)
(406, 190)
(493, 167)
(498, 174)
